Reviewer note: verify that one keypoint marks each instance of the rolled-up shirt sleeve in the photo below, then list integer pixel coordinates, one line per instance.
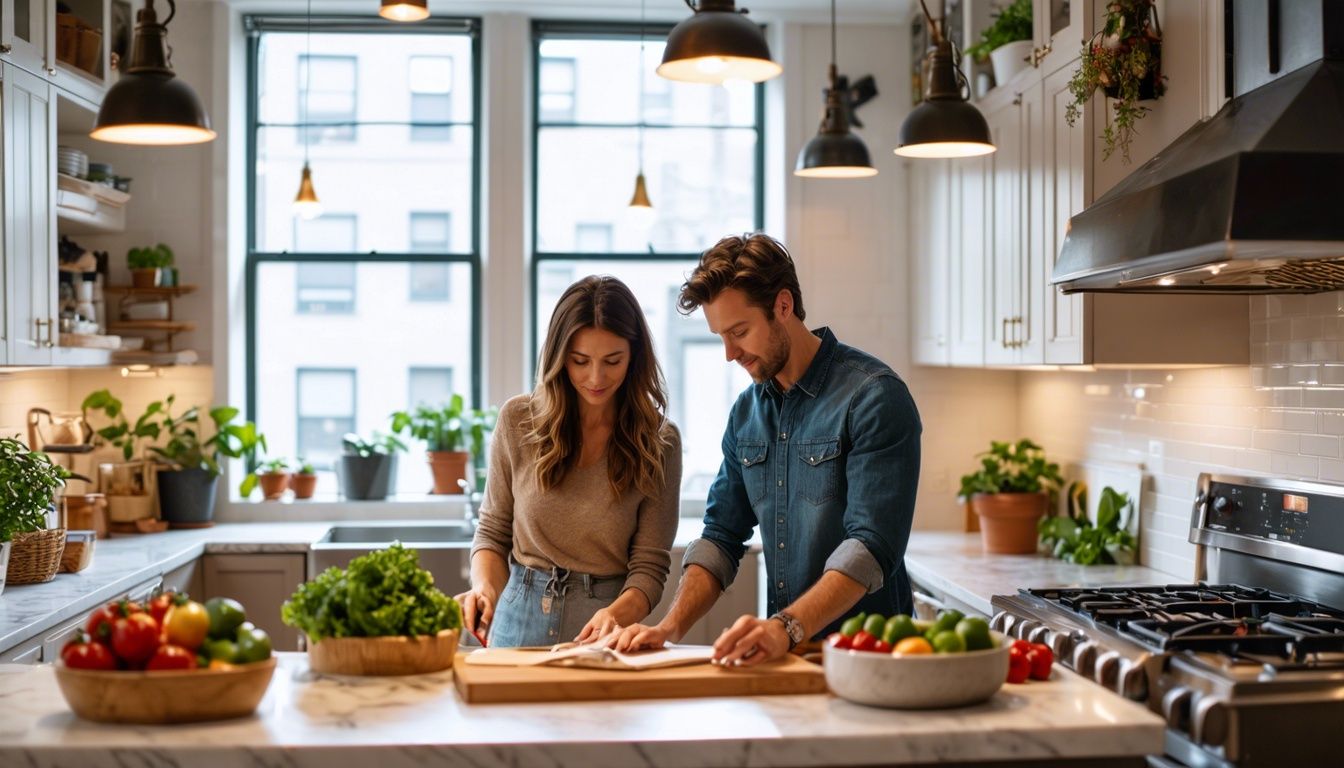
(729, 520)
(882, 472)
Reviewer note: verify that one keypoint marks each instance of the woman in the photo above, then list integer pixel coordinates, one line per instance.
(581, 495)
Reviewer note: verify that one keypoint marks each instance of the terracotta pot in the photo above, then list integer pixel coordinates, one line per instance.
(302, 485)
(448, 467)
(273, 484)
(1008, 521)
(145, 278)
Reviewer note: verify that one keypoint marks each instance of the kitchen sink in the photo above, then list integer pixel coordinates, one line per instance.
(444, 548)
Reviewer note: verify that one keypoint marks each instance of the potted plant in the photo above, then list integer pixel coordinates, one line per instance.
(127, 484)
(1006, 42)
(367, 466)
(274, 478)
(1124, 60)
(1073, 537)
(304, 480)
(1009, 493)
(189, 465)
(147, 265)
(29, 552)
(446, 432)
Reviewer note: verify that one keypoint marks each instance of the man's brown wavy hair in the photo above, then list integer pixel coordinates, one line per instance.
(635, 454)
(757, 265)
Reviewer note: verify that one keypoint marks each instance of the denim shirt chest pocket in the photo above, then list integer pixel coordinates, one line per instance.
(751, 456)
(818, 469)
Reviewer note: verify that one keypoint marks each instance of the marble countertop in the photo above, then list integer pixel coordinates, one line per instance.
(957, 566)
(328, 722)
(124, 562)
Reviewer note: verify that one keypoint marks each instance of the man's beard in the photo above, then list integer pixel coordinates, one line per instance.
(776, 354)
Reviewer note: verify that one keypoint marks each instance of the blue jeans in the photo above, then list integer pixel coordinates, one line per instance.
(548, 607)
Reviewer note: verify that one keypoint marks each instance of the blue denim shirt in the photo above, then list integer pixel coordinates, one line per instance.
(829, 470)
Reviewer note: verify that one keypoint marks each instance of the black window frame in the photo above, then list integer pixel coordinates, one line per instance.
(257, 24)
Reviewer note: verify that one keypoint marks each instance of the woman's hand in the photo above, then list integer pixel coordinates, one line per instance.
(478, 609)
(603, 623)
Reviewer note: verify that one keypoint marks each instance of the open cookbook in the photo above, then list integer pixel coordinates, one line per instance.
(592, 656)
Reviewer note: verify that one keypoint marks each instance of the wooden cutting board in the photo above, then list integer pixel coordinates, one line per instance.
(493, 685)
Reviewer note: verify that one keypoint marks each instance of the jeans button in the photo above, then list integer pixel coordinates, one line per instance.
(781, 545)
(780, 585)
(779, 482)
(783, 435)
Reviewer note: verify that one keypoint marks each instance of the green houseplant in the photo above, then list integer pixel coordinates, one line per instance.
(368, 465)
(148, 264)
(274, 478)
(448, 432)
(304, 480)
(1010, 492)
(1006, 42)
(190, 463)
(1124, 60)
(28, 483)
(126, 484)
(1074, 538)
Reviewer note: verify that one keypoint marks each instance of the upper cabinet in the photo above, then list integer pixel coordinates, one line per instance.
(70, 48)
(29, 127)
(1006, 216)
(27, 34)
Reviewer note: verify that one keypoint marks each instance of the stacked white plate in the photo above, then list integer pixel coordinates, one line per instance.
(72, 162)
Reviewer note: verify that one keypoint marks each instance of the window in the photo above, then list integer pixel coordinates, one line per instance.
(429, 386)
(325, 404)
(555, 103)
(330, 294)
(431, 81)
(329, 99)
(702, 161)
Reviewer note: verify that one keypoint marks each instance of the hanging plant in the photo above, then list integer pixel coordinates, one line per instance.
(1124, 60)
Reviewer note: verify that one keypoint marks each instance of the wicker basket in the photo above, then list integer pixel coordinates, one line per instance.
(35, 556)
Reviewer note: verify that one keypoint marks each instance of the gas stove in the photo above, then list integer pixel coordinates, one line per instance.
(1247, 667)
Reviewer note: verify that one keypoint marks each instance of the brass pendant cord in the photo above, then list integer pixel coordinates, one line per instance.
(307, 79)
(639, 78)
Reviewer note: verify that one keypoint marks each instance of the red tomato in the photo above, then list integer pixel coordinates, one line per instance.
(837, 640)
(83, 653)
(1041, 658)
(863, 641)
(135, 637)
(172, 657)
(159, 605)
(100, 622)
(882, 646)
(1019, 668)
(1022, 645)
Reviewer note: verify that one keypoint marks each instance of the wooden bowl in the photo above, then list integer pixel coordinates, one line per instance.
(932, 681)
(176, 696)
(383, 655)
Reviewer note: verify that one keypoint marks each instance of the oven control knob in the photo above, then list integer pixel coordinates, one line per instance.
(1133, 683)
(1176, 708)
(999, 621)
(1038, 634)
(1222, 505)
(1208, 722)
(1084, 656)
(1023, 629)
(1106, 670)
(1060, 642)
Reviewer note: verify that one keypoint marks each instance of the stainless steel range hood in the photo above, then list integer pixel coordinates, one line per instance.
(1249, 201)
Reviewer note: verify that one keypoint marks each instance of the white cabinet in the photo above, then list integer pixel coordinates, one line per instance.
(1063, 172)
(1059, 32)
(27, 34)
(969, 259)
(1006, 295)
(930, 220)
(262, 583)
(29, 124)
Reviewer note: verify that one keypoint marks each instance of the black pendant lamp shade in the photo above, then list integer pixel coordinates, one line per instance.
(148, 104)
(404, 10)
(945, 124)
(717, 43)
(835, 152)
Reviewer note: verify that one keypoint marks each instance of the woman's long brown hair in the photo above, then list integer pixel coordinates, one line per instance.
(635, 454)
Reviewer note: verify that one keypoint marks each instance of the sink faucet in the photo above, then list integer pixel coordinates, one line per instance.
(469, 511)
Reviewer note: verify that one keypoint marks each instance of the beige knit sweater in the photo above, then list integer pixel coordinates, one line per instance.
(578, 525)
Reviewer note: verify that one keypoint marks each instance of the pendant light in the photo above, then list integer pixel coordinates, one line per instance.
(148, 105)
(715, 44)
(640, 204)
(835, 152)
(945, 124)
(404, 10)
(306, 205)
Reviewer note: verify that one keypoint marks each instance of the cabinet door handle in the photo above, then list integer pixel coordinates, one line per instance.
(1003, 334)
(1038, 54)
(51, 71)
(41, 323)
(51, 332)
(6, 48)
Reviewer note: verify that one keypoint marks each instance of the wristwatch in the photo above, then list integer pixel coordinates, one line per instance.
(793, 627)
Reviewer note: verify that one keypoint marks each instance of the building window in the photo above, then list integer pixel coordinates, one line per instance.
(327, 108)
(429, 386)
(330, 294)
(555, 100)
(325, 405)
(431, 81)
(702, 161)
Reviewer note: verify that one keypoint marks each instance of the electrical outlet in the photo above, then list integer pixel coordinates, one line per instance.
(1155, 448)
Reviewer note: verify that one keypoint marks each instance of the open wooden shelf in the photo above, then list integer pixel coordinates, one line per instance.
(167, 326)
(169, 291)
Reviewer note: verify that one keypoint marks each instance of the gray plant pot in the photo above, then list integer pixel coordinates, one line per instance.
(366, 478)
(187, 495)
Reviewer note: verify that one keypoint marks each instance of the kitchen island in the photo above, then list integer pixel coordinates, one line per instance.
(330, 722)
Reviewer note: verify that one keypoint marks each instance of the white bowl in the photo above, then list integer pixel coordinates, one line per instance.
(919, 681)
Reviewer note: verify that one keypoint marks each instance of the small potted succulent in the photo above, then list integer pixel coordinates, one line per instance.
(367, 467)
(1010, 492)
(1124, 61)
(273, 478)
(1006, 42)
(304, 480)
(446, 432)
(29, 551)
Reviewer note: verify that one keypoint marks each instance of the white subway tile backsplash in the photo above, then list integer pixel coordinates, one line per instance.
(1321, 445)
(1278, 442)
(1332, 470)
(1289, 465)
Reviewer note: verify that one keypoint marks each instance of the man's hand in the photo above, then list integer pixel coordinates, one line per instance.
(640, 637)
(602, 624)
(751, 641)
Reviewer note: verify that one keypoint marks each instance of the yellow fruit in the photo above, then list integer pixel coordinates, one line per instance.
(911, 646)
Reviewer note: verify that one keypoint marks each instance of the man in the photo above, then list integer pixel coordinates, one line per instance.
(822, 452)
